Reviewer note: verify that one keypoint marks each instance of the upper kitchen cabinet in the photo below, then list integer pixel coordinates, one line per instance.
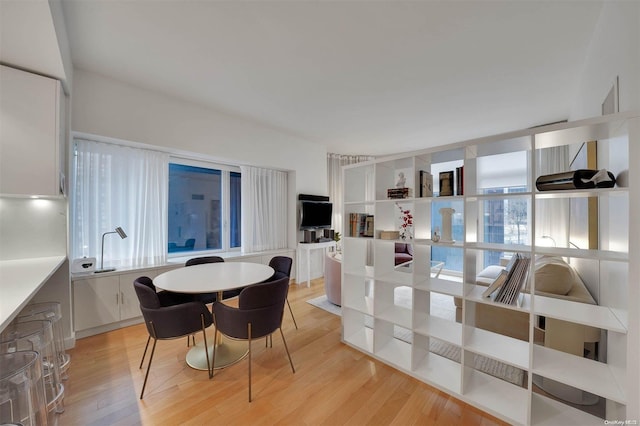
(30, 134)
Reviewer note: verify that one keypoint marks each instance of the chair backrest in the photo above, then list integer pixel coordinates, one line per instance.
(203, 260)
(146, 293)
(281, 264)
(166, 322)
(190, 243)
(262, 305)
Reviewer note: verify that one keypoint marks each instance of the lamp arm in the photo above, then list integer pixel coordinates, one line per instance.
(102, 250)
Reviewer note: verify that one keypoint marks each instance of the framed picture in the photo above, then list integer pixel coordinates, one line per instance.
(446, 184)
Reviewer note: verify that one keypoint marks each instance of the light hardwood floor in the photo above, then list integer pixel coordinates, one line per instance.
(333, 384)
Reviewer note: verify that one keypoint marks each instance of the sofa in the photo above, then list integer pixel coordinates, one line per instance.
(403, 253)
(333, 278)
(554, 278)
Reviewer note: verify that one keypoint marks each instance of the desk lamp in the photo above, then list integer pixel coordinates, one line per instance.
(122, 234)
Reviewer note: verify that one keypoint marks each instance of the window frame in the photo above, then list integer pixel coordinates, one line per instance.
(225, 199)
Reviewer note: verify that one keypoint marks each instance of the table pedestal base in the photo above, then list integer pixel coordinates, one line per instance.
(228, 352)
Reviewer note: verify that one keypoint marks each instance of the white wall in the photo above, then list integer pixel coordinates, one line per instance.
(614, 51)
(106, 107)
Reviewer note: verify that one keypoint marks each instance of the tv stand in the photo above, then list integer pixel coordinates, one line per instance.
(307, 247)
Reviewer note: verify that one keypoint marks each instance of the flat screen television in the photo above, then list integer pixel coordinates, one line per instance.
(315, 214)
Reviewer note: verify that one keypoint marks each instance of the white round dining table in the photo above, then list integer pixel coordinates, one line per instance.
(209, 278)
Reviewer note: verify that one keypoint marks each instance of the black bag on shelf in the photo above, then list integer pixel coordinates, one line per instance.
(576, 179)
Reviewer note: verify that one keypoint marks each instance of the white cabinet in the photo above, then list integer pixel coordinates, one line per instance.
(96, 301)
(499, 212)
(30, 113)
(107, 301)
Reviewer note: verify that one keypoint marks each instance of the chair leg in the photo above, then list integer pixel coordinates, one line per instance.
(145, 351)
(249, 334)
(286, 348)
(206, 348)
(153, 349)
(215, 342)
(292, 316)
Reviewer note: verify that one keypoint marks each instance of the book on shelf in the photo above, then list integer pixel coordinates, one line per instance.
(446, 183)
(516, 275)
(368, 228)
(426, 184)
(360, 225)
(496, 284)
(397, 193)
(460, 180)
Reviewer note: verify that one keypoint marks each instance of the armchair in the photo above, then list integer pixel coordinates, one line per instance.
(403, 253)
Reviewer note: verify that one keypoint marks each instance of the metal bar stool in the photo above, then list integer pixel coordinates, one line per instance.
(22, 398)
(50, 311)
(38, 336)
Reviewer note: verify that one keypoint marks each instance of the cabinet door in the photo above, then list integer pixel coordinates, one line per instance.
(29, 112)
(96, 302)
(129, 304)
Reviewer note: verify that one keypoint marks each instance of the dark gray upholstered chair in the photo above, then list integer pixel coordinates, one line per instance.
(282, 267)
(169, 322)
(259, 314)
(210, 297)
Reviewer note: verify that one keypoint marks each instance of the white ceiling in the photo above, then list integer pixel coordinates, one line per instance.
(361, 77)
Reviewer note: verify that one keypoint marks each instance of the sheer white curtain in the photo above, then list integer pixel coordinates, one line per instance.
(117, 185)
(552, 217)
(334, 182)
(264, 209)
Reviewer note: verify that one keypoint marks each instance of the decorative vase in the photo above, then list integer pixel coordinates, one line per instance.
(447, 231)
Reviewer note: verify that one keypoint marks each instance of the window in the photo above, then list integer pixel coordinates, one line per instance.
(203, 207)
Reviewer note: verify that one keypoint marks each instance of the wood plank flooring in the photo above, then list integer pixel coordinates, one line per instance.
(333, 384)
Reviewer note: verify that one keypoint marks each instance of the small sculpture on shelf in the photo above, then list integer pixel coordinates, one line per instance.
(435, 236)
(402, 180)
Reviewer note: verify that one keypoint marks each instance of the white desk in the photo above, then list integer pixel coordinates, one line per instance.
(208, 278)
(307, 247)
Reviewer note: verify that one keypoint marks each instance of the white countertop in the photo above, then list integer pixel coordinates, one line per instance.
(20, 280)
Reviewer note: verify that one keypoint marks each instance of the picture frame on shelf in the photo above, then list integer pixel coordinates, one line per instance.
(446, 184)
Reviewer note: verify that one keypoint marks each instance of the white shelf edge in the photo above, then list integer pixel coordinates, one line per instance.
(439, 285)
(548, 412)
(361, 339)
(581, 313)
(396, 352)
(496, 346)
(439, 371)
(396, 315)
(496, 396)
(582, 373)
(440, 328)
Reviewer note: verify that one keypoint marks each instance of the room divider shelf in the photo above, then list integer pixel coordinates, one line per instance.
(494, 217)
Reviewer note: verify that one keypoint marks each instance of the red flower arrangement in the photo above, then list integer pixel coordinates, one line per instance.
(406, 223)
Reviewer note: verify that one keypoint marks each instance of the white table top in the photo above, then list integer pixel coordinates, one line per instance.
(212, 277)
(20, 280)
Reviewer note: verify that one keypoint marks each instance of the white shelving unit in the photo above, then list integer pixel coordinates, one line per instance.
(370, 277)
